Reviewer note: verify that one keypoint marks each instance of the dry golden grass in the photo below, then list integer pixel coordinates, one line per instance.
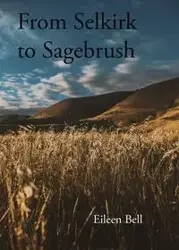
(168, 121)
(52, 184)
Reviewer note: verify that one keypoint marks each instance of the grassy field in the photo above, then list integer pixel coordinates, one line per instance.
(51, 185)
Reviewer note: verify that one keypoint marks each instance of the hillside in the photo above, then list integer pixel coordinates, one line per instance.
(168, 121)
(75, 109)
(154, 100)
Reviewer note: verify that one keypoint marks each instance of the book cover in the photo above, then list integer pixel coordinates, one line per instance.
(89, 125)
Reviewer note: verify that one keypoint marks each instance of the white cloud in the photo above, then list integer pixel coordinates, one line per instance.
(110, 42)
(25, 98)
(40, 92)
(118, 37)
(21, 93)
(88, 73)
(4, 49)
(3, 101)
(59, 84)
(18, 92)
(127, 67)
(123, 68)
(61, 64)
(39, 71)
(10, 32)
(9, 26)
(133, 75)
(57, 80)
(18, 77)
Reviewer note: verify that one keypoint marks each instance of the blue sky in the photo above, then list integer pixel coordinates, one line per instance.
(39, 82)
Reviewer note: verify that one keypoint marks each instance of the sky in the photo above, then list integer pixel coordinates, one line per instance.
(39, 82)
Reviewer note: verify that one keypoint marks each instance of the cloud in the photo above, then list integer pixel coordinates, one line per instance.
(57, 80)
(9, 27)
(20, 91)
(118, 37)
(19, 94)
(134, 75)
(59, 84)
(39, 71)
(10, 32)
(88, 73)
(3, 101)
(93, 78)
(17, 77)
(110, 42)
(40, 92)
(131, 74)
(47, 87)
(61, 64)
(97, 81)
(127, 66)
(3, 48)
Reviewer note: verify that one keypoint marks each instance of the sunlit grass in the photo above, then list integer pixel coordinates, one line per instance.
(51, 185)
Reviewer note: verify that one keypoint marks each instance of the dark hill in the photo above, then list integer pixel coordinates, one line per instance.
(75, 109)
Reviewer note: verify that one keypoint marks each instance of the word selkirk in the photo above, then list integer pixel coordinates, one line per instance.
(98, 21)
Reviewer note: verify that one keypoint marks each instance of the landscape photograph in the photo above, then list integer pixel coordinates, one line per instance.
(89, 125)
